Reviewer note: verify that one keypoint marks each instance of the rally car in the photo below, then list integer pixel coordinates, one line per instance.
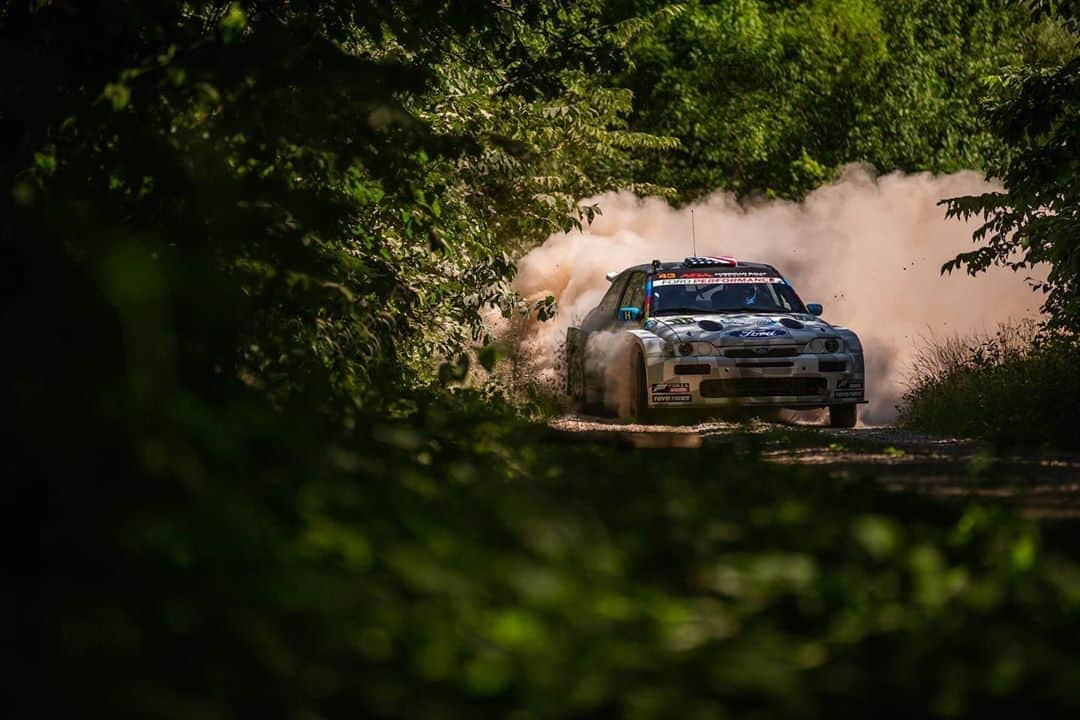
(712, 333)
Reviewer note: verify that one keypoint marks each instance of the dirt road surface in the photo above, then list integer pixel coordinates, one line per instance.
(1046, 486)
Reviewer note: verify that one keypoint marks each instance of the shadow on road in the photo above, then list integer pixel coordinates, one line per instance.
(904, 461)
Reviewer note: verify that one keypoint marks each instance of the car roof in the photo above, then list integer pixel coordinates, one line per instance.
(681, 265)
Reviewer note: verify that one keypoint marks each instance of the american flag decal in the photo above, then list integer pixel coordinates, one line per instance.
(710, 260)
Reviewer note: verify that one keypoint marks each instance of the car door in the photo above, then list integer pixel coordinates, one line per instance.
(601, 318)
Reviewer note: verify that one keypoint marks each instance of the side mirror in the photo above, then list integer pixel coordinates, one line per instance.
(814, 308)
(611, 275)
(629, 313)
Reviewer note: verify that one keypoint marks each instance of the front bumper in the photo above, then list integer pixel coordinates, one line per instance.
(800, 381)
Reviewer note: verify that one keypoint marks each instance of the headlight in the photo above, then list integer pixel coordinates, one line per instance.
(684, 349)
(825, 345)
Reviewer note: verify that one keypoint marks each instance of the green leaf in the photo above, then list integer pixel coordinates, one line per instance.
(117, 94)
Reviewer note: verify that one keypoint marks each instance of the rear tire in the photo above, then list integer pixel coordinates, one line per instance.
(843, 416)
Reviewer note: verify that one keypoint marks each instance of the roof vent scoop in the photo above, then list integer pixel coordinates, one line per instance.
(710, 261)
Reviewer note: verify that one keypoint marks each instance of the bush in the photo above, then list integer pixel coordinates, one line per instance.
(1014, 389)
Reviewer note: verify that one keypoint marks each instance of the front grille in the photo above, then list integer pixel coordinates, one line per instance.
(766, 363)
(695, 369)
(763, 387)
(832, 365)
(761, 352)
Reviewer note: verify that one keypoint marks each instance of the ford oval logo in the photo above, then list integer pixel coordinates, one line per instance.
(757, 333)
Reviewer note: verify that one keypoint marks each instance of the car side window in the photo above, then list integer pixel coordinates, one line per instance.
(609, 305)
(781, 301)
(634, 295)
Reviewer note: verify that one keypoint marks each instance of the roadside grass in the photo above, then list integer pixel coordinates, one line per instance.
(1015, 389)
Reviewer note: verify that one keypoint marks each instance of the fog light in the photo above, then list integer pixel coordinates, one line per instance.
(686, 349)
(832, 345)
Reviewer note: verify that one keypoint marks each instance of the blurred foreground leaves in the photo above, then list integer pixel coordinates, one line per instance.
(464, 562)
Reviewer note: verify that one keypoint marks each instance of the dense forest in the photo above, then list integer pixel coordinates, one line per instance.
(252, 247)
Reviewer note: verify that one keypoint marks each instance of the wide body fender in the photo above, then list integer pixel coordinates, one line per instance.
(858, 364)
(599, 363)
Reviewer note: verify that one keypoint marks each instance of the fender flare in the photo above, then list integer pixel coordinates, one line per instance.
(856, 350)
(854, 346)
(648, 344)
(651, 347)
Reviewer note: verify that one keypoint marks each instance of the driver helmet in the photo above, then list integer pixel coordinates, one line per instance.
(747, 294)
(734, 295)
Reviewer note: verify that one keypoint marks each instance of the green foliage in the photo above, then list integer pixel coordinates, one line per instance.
(345, 186)
(1011, 389)
(1036, 112)
(775, 97)
(248, 238)
(243, 236)
(460, 563)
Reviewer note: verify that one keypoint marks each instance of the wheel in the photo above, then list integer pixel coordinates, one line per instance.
(843, 416)
(639, 390)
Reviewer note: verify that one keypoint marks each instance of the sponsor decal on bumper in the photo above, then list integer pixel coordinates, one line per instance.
(671, 392)
(671, 398)
(849, 389)
(672, 388)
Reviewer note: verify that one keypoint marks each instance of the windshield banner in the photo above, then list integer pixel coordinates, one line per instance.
(718, 280)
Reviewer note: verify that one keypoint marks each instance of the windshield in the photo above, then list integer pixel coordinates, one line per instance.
(719, 292)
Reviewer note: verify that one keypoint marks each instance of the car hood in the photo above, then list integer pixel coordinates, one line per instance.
(740, 328)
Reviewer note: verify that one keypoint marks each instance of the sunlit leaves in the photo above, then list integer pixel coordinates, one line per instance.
(775, 97)
(1036, 111)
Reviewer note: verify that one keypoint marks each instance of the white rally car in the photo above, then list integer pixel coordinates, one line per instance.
(713, 332)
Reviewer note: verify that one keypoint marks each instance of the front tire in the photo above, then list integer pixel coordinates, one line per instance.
(639, 391)
(843, 416)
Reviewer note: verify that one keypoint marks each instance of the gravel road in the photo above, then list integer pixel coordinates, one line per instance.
(905, 461)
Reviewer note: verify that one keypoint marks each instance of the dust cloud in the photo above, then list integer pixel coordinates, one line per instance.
(868, 248)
